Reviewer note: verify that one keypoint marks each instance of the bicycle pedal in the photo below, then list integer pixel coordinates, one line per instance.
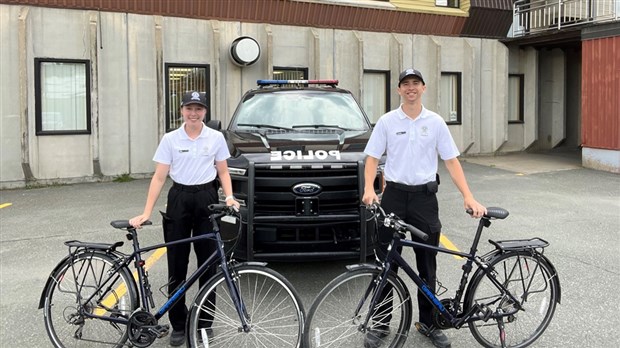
(487, 314)
(161, 330)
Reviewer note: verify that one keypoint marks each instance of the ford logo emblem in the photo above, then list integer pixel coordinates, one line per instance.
(307, 189)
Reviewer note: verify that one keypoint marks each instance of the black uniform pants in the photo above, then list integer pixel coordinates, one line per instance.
(187, 215)
(420, 209)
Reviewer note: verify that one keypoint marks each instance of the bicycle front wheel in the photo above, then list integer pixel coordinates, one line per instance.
(333, 322)
(89, 284)
(532, 281)
(274, 311)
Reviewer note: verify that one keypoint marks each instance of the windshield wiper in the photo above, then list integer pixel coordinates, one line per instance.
(270, 126)
(323, 126)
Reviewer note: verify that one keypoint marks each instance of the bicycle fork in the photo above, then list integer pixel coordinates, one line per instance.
(376, 289)
(231, 278)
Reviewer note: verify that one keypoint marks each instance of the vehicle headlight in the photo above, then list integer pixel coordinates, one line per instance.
(237, 171)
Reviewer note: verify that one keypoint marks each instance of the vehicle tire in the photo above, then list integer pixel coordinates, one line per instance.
(530, 279)
(274, 308)
(332, 321)
(66, 299)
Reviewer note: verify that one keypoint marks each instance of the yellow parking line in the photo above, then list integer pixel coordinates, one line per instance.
(111, 299)
(449, 245)
(4, 205)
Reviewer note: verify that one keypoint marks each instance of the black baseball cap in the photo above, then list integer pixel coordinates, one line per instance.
(410, 72)
(194, 97)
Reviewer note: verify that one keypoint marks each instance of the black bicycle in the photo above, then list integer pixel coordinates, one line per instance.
(508, 302)
(91, 298)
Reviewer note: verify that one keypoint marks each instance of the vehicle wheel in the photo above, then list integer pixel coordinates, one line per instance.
(273, 306)
(333, 322)
(79, 286)
(530, 279)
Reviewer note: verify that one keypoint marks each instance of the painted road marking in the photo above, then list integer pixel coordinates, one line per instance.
(119, 292)
(4, 205)
(449, 245)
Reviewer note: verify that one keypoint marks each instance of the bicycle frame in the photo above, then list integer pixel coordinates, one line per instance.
(395, 258)
(144, 286)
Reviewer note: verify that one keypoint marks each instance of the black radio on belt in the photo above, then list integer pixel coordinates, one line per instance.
(433, 186)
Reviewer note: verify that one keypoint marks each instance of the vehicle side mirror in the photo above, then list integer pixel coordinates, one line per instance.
(214, 124)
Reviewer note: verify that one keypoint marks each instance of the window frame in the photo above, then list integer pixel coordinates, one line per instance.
(38, 62)
(167, 102)
(285, 69)
(387, 106)
(449, 3)
(521, 101)
(459, 91)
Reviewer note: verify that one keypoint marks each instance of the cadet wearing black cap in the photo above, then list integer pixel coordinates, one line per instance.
(193, 155)
(410, 72)
(413, 137)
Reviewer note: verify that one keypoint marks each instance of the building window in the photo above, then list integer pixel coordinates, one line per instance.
(450, 97)
(515, 98)
(447, 3)
(181, 78)
(283, 73)
(375, 98)
(62, 96)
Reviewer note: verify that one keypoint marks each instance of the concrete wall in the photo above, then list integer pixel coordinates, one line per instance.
(601, 159)
(552, 91)
(522, 135)
(128, 53)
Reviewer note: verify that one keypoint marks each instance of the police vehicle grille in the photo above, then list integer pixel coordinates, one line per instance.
(273, 185)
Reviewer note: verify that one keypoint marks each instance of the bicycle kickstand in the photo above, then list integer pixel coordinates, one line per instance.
(500, 325)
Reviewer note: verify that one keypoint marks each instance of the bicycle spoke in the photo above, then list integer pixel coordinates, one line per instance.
(529, 281)
(332, 321)
(77, 291)
(274, 311)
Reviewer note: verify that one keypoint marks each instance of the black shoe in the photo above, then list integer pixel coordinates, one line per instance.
(374, 337)
(436, 336)
(177, 338)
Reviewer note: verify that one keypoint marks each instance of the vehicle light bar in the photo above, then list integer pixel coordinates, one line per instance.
(296, 82)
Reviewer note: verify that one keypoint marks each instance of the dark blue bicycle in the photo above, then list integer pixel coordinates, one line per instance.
(91, 298)
(508, 302)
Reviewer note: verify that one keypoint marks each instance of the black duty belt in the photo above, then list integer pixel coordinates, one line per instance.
(194, 188)
(408, 188)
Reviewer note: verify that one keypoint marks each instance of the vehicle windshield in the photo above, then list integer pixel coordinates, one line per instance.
(300, 109)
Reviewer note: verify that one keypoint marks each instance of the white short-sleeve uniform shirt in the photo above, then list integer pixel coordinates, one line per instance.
(192, 161)
(412, 146)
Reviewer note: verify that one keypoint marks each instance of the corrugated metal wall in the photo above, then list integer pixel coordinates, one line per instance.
(600, 107)
(311, 14)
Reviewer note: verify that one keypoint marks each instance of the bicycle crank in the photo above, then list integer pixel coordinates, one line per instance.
(140, 329)
(438, 320)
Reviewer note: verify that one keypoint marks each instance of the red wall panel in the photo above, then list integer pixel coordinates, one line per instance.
(600, 86)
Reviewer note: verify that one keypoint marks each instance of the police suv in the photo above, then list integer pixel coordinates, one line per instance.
(297, 169)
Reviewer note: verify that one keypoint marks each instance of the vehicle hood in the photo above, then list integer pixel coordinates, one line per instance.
(297, 145)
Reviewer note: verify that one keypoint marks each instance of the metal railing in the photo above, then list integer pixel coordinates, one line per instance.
(535, 16)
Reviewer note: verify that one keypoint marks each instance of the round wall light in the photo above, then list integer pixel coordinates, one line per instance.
(244, 51)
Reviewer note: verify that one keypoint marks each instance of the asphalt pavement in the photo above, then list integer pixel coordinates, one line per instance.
(548, 196)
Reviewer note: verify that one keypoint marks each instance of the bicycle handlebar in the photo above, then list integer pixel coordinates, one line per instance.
(223, 208)
(392, 221)
(412, 229)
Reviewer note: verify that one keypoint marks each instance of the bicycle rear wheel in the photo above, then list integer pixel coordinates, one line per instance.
(273, 306)
(332, 321)
(66, 305)
(532, 281)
